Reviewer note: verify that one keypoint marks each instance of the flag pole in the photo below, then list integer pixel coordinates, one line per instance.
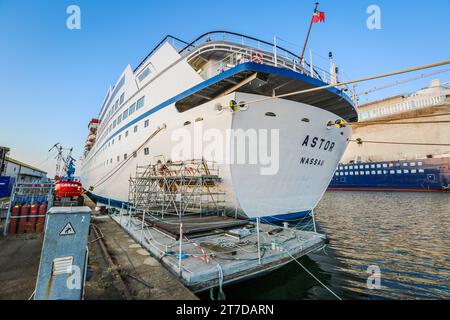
(309, 32)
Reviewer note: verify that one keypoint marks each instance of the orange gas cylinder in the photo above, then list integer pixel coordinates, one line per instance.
(24, 212)
(31, 224)
(41, 220)
(14, 222)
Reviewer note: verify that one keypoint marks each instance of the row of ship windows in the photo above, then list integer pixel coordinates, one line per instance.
(125, 157)
(125, 135)
(118, 102)
(123, 116)
(379, 166)
(135, 130)
(378, 172)
(138, 105)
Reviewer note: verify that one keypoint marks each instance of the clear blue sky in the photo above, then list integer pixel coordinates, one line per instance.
(53, 79)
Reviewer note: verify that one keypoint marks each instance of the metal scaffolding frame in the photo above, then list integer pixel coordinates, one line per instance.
(178, 189)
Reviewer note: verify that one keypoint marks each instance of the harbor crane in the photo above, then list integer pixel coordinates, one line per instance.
(68, 189)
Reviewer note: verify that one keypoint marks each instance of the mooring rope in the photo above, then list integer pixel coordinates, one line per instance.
(341, 84)
(392, 122)
(361, 142)
(313, 276)
(221, 294)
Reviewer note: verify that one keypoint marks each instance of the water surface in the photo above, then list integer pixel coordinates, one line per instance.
(407, 235)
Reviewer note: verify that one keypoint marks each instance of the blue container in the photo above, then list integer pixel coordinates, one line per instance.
(6, 185)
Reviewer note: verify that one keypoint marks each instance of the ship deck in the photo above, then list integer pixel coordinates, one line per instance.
(212, 254)
(268, 80)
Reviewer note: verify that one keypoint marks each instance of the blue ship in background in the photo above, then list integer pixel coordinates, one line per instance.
(425, 175)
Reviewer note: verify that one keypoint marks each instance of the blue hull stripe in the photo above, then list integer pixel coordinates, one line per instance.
(289, 217)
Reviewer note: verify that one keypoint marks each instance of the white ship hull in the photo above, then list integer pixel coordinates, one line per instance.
(287, 183)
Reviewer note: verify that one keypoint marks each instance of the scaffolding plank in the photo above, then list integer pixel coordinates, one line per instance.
(192, 226)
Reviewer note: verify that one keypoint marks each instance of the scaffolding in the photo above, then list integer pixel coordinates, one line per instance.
(184, 188)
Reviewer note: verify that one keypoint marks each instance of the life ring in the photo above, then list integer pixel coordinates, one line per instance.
(257, 58)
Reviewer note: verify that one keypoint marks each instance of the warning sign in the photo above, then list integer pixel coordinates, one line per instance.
(68, 230)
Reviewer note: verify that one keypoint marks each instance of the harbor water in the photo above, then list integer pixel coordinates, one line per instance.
(405, 235)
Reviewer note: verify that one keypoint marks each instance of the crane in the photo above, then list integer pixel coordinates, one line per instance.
(67, 189)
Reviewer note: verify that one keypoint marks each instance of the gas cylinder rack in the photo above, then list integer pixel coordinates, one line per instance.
(28, 208)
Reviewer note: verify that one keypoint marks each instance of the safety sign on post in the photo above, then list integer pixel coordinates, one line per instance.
(62, 269)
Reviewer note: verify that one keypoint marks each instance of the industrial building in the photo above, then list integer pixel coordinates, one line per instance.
(12, 171)
(22, 172)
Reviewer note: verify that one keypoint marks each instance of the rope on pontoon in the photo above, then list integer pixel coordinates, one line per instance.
(309, 272)
(221, 294)
(313, 276)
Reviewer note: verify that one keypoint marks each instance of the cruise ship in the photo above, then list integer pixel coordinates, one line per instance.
(224, 84)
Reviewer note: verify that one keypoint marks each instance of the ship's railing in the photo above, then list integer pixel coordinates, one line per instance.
(256, 44)
(238, 54)
(272, 54)
(174, 41)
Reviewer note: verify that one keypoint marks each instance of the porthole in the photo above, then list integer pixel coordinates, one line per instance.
(187, 123)
(271, 114)
(306, 120)
(199, 119)
(218, 108)
(243, 106)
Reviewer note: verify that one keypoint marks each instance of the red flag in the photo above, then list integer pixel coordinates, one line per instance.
(318, 17)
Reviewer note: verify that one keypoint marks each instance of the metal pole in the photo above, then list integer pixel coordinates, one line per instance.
(309, 32)
(121, 215)
(311, 68)
(314, 220)
(275, 50)
(142, 229)
(180, 248)
(8, 213)
(86, 259)
(259, 242)
(129, 219)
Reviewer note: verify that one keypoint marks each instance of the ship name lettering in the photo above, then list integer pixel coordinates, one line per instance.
(319, 143)
(312, 162)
